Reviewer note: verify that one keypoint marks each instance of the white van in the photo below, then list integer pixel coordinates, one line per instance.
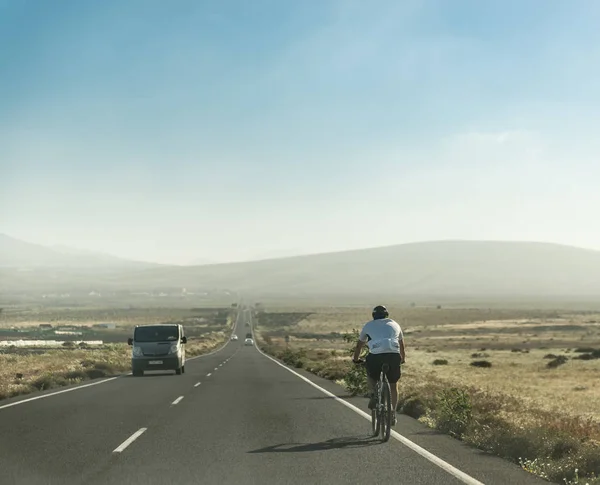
(158, 347)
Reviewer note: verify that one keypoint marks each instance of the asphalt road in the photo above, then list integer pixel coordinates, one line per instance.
(234, 417)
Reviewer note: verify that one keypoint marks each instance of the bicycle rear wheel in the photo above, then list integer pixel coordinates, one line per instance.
(375, 421)
(386, 411)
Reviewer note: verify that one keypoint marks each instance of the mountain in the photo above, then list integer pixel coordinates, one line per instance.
(202, 262)
(446, 269)
(15, 253)
(428, 268)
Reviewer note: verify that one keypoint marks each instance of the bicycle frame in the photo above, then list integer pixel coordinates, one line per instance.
(381, 414)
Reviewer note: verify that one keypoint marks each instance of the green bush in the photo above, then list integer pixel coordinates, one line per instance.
(414, 407)
(49, 381)
(356, 377)
(559, 360)
(453, 411)
(589, 356)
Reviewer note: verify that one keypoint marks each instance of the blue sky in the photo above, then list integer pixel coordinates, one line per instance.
(228, 130)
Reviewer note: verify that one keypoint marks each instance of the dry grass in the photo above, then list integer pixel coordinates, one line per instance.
(23, 372)
(569, 389)
(548, 419)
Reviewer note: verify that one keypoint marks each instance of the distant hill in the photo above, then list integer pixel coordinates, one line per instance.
(448, 269)
(201, 262)
(15, 253)
(429, 268)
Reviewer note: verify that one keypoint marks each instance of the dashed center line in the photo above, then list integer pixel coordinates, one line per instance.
(177, 401)
(129, 440)
(208, 375)
(216, 368)
(197, 384)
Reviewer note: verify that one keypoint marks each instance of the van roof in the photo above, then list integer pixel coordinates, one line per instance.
(160, 325)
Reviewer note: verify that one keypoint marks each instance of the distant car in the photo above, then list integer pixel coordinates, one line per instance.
(234, 337)
(249, 341)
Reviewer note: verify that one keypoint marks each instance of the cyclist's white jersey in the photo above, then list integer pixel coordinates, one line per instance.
(382, 336)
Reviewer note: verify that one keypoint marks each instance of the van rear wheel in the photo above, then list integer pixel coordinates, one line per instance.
(178, 371)
(138, 373)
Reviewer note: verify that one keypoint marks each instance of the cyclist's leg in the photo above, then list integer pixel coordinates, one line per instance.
(394, 394)
(373, 369)
(370, 384)
(394, 399)
(393, 376)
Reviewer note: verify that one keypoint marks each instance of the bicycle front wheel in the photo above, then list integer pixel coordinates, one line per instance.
(386, 411)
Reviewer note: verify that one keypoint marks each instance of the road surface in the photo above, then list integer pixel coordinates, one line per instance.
(234, 417)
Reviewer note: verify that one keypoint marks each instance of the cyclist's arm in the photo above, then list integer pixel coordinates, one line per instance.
(362, 340)
(402, 353)
(359, 345)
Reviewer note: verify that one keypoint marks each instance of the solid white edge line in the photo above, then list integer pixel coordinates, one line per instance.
(23, 401)
(197, 384)
(462, 476)
(129, 440)
(177, 401)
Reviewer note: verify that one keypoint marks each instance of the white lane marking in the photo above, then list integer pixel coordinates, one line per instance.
(57, 392)
(177, 401)
(216, 368)
(129, 440)
(220, 365)
(208, 375)
(462, 476)
(197, 384)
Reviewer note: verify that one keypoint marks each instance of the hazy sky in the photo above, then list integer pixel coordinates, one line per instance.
(224, 130)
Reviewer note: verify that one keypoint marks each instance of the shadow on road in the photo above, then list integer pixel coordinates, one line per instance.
(332, 444)
(164, 374)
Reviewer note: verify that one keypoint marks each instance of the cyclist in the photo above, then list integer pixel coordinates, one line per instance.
(385, 341)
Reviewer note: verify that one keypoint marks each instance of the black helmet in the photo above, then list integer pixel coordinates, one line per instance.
(380, 312)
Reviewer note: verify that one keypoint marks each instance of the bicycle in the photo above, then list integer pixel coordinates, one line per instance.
(381, 414)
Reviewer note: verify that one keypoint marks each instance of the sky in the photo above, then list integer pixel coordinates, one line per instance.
(222, 130)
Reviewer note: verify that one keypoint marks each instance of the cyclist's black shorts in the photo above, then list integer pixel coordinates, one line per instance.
(375, 361)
